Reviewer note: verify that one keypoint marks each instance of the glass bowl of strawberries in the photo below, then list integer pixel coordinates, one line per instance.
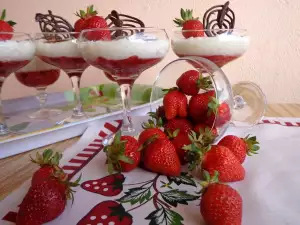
(198, 92)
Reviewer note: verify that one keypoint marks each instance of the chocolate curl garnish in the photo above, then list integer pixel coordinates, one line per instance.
(123, 21)
(53, 24)
(225, 19)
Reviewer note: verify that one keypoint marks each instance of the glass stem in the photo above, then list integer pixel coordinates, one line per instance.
(42, 96)
(77, 111)
(3, 126)
(126, 97)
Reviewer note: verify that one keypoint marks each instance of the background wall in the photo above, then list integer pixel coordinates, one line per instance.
(273, 60)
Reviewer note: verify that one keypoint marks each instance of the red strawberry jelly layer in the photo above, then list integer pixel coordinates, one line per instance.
(125, 69)
(42, 78)
(67, 63)
(219, 60)
(8, 67)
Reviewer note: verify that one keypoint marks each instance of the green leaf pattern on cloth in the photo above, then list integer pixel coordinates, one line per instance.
(164, 216)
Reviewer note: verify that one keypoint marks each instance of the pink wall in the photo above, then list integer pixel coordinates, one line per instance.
(272, 60)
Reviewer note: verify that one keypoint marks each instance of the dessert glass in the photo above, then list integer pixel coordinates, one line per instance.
(221, 47)
(16, 51)
(245, 100)
(60, 49)
(39, 75)
(125, 57)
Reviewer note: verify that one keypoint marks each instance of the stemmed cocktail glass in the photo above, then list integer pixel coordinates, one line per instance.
(124, 53)
(60, 49)
(39, 75)
(16, 51)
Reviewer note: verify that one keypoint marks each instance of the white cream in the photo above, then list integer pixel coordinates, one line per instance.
(124, 48)
(37, 65)
(16, 50)
(207, 46)
(58, 49)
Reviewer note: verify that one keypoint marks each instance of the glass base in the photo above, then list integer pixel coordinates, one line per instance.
(73, 118)
(45, 114)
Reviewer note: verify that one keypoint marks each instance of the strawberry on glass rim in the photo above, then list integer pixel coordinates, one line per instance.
(124, 55)
(16, 51)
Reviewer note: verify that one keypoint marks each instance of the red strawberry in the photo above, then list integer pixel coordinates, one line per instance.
(179, 140)
(175, 104)
(191, 26)
(200, 128)
(49, 163)
(83, 16)
(45, 201)
(123, 154)
(6, 26)
(240, 147)
(192, 81)
(149, 133)
(109, 186)
(198, 106)
(107, 212)
(220, 112)
(182, 124)
(220, 203)
(220, 158)
(160, 157)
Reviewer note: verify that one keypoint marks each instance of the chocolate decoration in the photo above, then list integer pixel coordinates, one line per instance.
(53, 24)
(225, 19)
(123, 21)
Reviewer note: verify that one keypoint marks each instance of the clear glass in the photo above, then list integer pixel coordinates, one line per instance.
(16, 51)
(220, 46)
(124, 53)
(245, 100)
(61, 50)
(39, 75)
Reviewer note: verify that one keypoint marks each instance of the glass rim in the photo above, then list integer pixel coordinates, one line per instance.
(23, 33)
(123, 28)
(225, 29)
(53, 33)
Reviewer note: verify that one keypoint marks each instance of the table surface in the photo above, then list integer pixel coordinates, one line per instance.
(17, 169)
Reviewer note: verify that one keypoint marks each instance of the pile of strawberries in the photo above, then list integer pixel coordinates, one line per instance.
(50, 189)
(182, 132)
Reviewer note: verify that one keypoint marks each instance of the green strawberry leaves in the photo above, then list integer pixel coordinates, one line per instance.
(136, 195)
(164, 216)
(252, 145)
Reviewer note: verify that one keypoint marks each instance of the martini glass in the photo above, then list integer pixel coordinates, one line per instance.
(125, 57)
(60, 49)
(220, 46)
(245, 101)
(16, 51)
(39, 75)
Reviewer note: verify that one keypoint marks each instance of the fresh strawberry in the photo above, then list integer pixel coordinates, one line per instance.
(175, 104)
(221, 159)
(107, 212)
(89, 20)
(123, 155)
(240, 147)
(192, 81)
(49, 164)
(200, 128)
(45, 201)
(198, 106)
(182, 124)
(160, 157)
(219, 112)
(109, 186)
(179, 140)
(191, 27)
(220, 203)
(149, 133)
(6, 26)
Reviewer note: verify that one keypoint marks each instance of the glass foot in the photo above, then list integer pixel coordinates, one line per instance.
(73, 118)
(4, 131)
(45, 114)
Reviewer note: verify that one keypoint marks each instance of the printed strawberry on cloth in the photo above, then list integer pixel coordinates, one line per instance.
(269, 191)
